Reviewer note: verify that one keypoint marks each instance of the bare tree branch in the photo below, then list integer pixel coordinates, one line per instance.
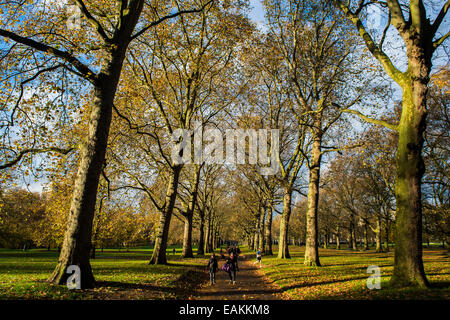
(24, 152)
(66, 56)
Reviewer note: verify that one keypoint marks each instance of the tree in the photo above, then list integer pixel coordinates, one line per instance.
(421, 40)
(188, 209)
(207, 184)
(321, 73)
(436, 154)
(112, 29)
(21, 212)
(375, 164)
(275, 104)
(177, 72)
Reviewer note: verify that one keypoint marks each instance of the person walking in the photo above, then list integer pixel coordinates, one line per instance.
(212, 269)
(258, 258)
(231, 262)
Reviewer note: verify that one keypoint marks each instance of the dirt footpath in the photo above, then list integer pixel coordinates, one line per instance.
(250, 284)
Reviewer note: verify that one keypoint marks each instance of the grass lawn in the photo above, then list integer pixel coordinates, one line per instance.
(127, 275)
(120, 275)
(343, 275)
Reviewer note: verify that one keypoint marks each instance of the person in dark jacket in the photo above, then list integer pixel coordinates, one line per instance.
(231, 261)
(212, 268)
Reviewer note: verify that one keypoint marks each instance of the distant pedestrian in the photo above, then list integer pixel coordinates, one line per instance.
(212, 268)
(258, 258)
(174, 251)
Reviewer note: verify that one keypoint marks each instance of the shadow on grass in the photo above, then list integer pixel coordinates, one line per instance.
(181, 288)
(132, 286)
(307, 285)
(440, 284)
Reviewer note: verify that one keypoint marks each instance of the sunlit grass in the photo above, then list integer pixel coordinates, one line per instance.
(127, 275)
(343, 275)
(120, 275)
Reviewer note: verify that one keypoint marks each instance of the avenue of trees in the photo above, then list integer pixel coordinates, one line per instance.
(357, 89)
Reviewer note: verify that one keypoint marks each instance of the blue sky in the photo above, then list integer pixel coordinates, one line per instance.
(257, 12)
(257, 15)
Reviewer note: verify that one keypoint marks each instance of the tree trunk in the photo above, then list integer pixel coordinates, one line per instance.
(213, 237)
(338, 239)
(366, 236)
(205, 248)
(408, 264)
(189, 214)
(262, 241)
(269, 229)
(325, 241)
(187, 238)
(312, 233)
(159, 250)
(257, 232)
(283, 248)
(201, 238)
(350, 236)
(208, 234)
(77, 239)
(253, 241)
(210, 244)
(386, 236)
(378, 236)
(354, 244)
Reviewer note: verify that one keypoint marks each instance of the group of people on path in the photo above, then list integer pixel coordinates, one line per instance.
(230, 266)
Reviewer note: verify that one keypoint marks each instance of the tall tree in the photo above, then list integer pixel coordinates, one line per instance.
(112, 27)
(324, 78)
(421, 39)
(179, 72)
